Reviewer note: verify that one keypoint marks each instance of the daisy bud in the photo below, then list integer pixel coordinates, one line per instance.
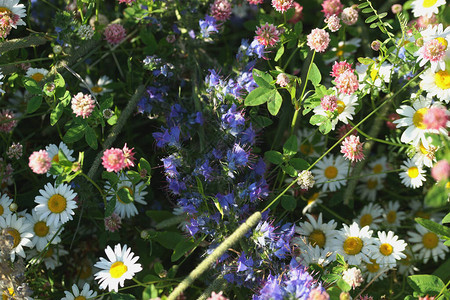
(419, 42)
(375, 45)
(13, 207)
(305, 180)
(107, 113)
(396, 8)
(441, 170)
(171, 38)
(40, 162)
(144, 234)
(353, 277)
(282, 80)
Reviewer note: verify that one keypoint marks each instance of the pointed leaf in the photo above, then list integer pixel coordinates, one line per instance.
(257, 97)
(314, 74)
(34, 104)
(274, 102)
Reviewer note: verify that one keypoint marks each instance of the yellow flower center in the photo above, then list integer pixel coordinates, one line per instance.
(37, 77)
(373, 267)
(442, 41)
(386, 249)
(413, 172)
(15, 235)
(4, 9)
(366, 220)
(80, 298)
(430, 240)
(55, 158)
(2, 210)
(131, 193)
(48, 253)
(391, 216)
(353, 245)
(442, 79)
(41, 229)
(317, 237)
(331, 172)
(340, 106)
(306, 149)
(97, 89)
(57, 203)
(377, 168)
(428, 3)
(418, 118)
(117, 269)
(372, 184)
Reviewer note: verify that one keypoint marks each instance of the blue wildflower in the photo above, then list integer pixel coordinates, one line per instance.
(233, 120)
(208, 26)
(170, 165)
(237, 157)
(169, 137)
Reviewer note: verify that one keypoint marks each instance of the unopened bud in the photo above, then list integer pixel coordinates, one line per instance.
(13, 207)
(345, 296)
(396, 8)
(107, 113)
(282, 80)
(375, 45)
(419, 42)
(57, 49)
(76, 167)
(144, 234)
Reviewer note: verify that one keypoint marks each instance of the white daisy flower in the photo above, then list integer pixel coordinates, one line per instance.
(345, 109)
(56, 204)
(412, 175)
(426, 7)
(425, 155)
(99, 88)
(435, 46)
(353, 243)
(314, 255)
(126, 210)
(405, 265)
(426, 244)
(413, 119)
(393, 217)
(20, 230)
(436, 84)
(313, 201)
(388, 249)
(121, 265)
(369, 187)
(310, 142)
(315, 232)
(36, 73)
(378, 168)
(370, 215)
(372, 269)
(344, 50)
(5, 202)
(50, 258)
(16, 9)
(330, 173)
(76, 294)
(85, 272)
(377, 75)
(42, 234)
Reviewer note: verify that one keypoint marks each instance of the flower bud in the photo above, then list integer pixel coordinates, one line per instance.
(57, 49)
(375, 45)
(396, 8)
(13, 207)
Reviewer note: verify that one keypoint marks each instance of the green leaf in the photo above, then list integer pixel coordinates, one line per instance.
(374, 25)
(257, 97)
(59, 81)
(288, 202)
(262, 79)
(343, 285)
(371, 19)
(290, 170)
(56, 113)
(119, 296)
(124, 195)
(34, 104)
(426, 284)
(363, 5)
(299, 164)
(110, 206)
(183, 247)
(274, 157)
(340, 259)
(107, 103)
(290, 146)
(91, 137)
(150, 292)
(217, 205)
(144, 164)
(199, 186)
(168, 239)
(261, 122)
(32, 86)
(148, 39)
(111, 177)
(382, 15)
(367, 10)
(325, 127)
(274, 101)
(365, 60)
(298, 28)
(437, 195)
(446, 219)
(316, 119)
(65, 99)
(314, 75)
(434, 227)
(159, 215)
(280, 53)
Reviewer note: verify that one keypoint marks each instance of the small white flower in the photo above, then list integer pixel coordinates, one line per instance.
(436, 84)
(20, 231)
(377, 76)
(313, 201)
(315, 232)
(100, 87)
(330, 173)
(426, 244)
(393, 217)
(425, 155)
(378, 168)
(53, 153)
(50, 256)
(315, 255)
(310, 142)
(36, 73)
(85, 294)
(353, 277)
(5, 202)
(426, 7)
(372, 269)
(388, 249)
(56, 204)
(412, 175)
(120, 265)
(42, 233)
(370, 215)
(369, 187)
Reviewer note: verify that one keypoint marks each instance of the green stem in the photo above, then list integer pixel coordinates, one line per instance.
(334, 213)
(376, 139)
(290, 58)
(443, 289)
(96, 186)
(294, 120)
(307, 75)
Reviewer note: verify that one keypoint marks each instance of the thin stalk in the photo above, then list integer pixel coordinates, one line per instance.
(376, 139)
(96, 186)
(443, 289)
